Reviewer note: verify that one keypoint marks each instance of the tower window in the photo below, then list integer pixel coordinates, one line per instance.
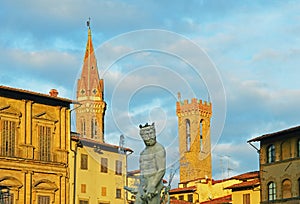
(201, 134)
(271, 191)
(83, 130)
(94, 127)
(271, 153)
(298, 148)
(188, 135)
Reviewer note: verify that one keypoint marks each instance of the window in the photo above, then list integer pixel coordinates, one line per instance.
(246, 198)
(8, 138)
(43, 199)
(181, 197)
(271, 191)
(271, 153)
(118, 193)
(201, 134)
(83, 202)
(188, 135)
(94, 127)
(299, 187)
(103, 191)
(83, 130)
(286, 188)
(104, 165)
(118, 167)
(298, 148)
(83, 188)
(7, 198)
(190, 198)
(84, 161)
(44, 142)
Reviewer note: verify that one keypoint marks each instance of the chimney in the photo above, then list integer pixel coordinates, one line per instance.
(53, 92)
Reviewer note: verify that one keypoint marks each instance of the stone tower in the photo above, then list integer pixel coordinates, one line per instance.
(90, 113)
(194, 139)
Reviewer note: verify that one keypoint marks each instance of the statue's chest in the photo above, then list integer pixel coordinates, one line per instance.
(148, 163)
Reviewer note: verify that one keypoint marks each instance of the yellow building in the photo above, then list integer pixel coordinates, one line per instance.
(100, 172)
(234, 189)
(279, 159)
(248, 191)
(34, 144)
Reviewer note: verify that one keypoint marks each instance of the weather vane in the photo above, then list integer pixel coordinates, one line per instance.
(88, 23)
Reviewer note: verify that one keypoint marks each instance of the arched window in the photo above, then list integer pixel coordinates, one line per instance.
(94, 127)
(299, 187)
(298, 147)
(286, 188)
(271, 191)
(188, 135)
(83, 130)
(271, 153)
(201, 134)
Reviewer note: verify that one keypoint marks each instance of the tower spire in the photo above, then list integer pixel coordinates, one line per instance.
(90, 88)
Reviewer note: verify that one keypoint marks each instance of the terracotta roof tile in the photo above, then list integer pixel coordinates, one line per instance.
(274, 134)
(179, 202)
(223, 200)
(187, 189)
(244, 184)
(248, 175)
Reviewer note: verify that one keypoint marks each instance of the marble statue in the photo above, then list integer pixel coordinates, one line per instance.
(152, 166)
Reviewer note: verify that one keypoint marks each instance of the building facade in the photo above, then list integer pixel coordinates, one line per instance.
(248, 191)
(279, 160)
(34, 144)
(194, 139)
(98, 172)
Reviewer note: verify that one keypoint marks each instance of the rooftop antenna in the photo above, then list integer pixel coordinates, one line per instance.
(228, 169)
(121, 144)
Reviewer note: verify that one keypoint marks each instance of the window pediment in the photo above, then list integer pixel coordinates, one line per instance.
(45, 117)
(10, 181)
(45, 184)
(10, 112)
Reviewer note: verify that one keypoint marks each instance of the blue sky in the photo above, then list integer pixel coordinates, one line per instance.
(251, 47)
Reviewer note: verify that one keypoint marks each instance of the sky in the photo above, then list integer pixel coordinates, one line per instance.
(242, 56)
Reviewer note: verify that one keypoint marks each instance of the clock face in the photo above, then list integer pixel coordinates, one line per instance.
(82, 91)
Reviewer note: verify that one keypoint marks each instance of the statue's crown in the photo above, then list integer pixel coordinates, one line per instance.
(146, 125)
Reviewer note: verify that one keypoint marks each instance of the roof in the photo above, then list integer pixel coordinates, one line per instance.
(101, 145)
(245, 184)
(275, 134)
(183, 190)
(20, 94)
(133, 172)
(246, 176)
(225, 199)
(179, 202)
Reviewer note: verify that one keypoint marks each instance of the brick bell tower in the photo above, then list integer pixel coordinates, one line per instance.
(90, 113)
(194, 138)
